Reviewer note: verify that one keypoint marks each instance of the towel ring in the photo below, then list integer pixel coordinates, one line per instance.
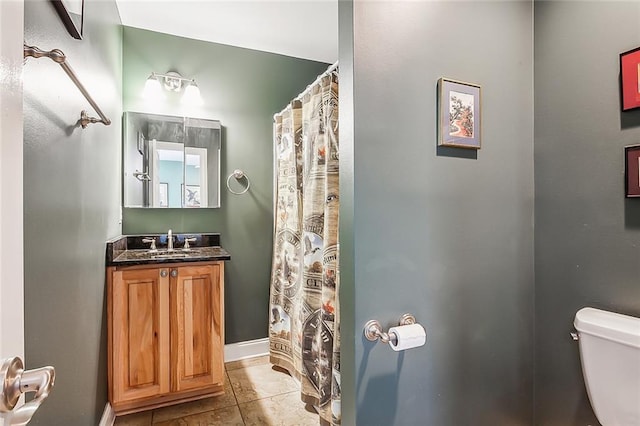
(238, 174)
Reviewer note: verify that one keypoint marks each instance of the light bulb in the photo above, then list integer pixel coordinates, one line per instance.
(192, 94)
(152, 89)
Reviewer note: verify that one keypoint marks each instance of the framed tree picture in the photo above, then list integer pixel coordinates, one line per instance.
(459, 114)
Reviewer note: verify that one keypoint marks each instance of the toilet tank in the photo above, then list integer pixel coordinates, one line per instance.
(610, 354)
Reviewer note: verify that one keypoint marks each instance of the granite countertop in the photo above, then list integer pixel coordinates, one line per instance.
(129, 250)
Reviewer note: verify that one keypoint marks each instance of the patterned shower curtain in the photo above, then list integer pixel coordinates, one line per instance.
(304, 323)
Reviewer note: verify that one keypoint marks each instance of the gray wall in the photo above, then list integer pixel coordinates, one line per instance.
(71, 199)
(444, 234)
(587, 235)
(243, 89)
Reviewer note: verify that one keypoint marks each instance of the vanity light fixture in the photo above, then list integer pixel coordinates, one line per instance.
(152, 88)
(173, 82)
(192, 94)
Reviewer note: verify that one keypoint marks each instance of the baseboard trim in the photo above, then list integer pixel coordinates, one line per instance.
(247, 349)
(108, 416)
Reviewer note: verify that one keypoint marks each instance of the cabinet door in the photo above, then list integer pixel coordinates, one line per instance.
(140, 337)
(196, 329)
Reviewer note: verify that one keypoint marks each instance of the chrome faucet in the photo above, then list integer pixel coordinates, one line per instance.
(187, 246)
(153, 243)
(169, 240)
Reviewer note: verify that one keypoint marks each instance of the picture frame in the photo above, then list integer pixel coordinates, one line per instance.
(630, 79)
(72, 15)
(192, 196)
(632, 171)
(163, 191)
(459, 114)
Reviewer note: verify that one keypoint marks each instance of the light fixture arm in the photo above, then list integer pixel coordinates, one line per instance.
(172, 80)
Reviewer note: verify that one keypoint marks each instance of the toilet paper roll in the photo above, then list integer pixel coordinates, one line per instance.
(408, 336)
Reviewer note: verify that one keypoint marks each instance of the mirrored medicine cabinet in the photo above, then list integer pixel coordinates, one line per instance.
(171, 162)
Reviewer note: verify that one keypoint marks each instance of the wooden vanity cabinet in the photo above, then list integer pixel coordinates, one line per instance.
(138, 334)
(166, 334)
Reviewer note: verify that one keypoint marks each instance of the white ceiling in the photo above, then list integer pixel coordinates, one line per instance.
(300, 28)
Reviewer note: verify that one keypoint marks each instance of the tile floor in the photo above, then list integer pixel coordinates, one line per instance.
(256, 393)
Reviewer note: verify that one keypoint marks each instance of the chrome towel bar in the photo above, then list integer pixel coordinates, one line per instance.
(57, 56)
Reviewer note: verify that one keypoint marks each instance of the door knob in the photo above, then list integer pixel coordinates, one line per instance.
(15, 381)
(164, 273)
(174, 273)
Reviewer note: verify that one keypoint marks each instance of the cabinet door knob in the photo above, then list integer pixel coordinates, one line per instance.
(174, 273)
(164, 273)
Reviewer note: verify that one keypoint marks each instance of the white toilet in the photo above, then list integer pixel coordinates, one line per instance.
(610, 354)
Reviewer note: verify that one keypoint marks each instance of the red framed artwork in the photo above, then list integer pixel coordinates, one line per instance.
(630, 79)
(632, 171)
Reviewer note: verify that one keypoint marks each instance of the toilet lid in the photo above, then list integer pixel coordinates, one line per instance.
(620, 328)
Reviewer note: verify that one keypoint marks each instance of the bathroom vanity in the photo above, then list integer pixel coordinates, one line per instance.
(165, 313)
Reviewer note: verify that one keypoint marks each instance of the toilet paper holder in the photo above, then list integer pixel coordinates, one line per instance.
(373, 329)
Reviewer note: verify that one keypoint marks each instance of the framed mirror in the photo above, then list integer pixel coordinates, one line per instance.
(171, 162)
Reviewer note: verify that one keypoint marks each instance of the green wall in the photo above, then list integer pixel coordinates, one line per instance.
(243, 89)
(587, 233)
(71, 198)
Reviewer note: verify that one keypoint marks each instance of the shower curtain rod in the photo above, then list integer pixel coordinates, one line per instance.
(329, 70)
